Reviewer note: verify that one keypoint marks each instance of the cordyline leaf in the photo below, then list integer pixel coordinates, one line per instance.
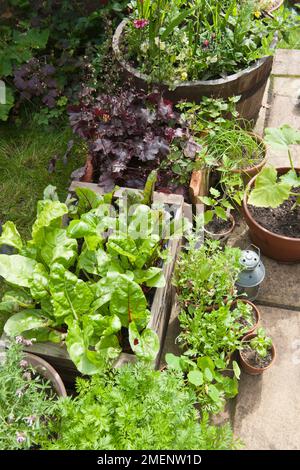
(58, 247)
(145, 345)
(71, 296)
(268, 192)
(281, 138)
(17, 269)
(10, 236)
(50, 213)
(129, 302)
(39, 283)
(24, 321)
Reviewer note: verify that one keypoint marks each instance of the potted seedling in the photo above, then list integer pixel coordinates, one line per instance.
(212, 48)
(257, 352)
(249, 315)
(271, 203)
(219, 222)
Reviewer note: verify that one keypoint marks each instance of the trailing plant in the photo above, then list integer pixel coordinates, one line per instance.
(84, 284)
(27, 401)
(270, 190)
(206, 276)
(135, 408)
(125, 131)
(211, 385)
(173, 41)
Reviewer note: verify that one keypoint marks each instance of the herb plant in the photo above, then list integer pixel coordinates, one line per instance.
(135, 407)
(206, 276)
(217, 206)
(261, 343)
(27, 402)
(84, 284)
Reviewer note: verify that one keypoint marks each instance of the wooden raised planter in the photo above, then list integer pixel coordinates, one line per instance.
(250, 83)
(163, 300)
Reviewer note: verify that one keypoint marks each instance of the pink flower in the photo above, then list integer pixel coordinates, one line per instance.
(140, 24)
(23, 363)
(20, 438)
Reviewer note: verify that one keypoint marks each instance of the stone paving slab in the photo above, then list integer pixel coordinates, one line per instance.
(286, 62)
(267, 413)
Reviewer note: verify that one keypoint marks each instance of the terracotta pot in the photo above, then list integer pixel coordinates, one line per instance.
(274, 246)
(247, 367)
(48, 372)
(222, 237)
(250, 172)
(276, 6)
(250, 83)
(256, 314)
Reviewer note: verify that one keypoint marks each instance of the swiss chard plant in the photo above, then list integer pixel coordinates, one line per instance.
(270, 189)
(85, 284)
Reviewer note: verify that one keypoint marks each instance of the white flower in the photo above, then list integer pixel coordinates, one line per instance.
(145, 46)
(160, 44)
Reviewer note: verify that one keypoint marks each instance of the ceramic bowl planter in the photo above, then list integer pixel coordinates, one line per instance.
(250, 369)
(278, 247)
(250, 83)
(48, 372)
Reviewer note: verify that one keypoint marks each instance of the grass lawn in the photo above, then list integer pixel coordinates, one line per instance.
(25, 154)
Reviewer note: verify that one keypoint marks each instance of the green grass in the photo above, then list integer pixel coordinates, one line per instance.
(24, 160)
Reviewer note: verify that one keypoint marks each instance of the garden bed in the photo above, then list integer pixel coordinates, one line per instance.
(161, 305)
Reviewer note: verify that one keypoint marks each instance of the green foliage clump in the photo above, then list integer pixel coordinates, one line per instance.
(27, 402)
(135, 407)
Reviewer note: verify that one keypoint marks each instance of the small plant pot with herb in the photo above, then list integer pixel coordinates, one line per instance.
(219, 223)
(250, 315)
(257, 352)
(271, 203)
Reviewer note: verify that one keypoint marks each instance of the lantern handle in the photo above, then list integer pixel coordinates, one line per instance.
(256, 249)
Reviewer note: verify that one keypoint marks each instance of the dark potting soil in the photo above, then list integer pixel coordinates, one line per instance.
(218, 225)
(254, 360)
(282, 220)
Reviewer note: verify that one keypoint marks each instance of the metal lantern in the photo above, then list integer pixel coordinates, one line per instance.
(252, 275)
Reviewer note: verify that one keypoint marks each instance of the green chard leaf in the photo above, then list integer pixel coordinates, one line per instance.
(24, 321)
(152, 277)
(17, 269)
(58, 247)
(10, 236)
(39, 283)
(145, 345)
(49, 214)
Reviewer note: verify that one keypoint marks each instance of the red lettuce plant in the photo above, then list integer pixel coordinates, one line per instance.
(124, 131)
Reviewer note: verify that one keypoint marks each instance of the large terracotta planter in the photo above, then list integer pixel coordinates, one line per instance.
(255, 370)
(47, 371)
(274, 246)
(250, 83)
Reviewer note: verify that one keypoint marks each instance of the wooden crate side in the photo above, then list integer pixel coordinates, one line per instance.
(58, 356)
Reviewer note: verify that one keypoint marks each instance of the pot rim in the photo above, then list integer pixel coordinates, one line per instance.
(250, 336)
(218, 81)
(249, 215)
(55, 379)
(224, 233)
(259, 165)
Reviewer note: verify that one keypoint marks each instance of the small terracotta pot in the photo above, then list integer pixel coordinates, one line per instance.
(222, 237)
(247, 367)
(275, 246)
(256, 314)
(276, 6)
(47, 371)
(250, 172)
(199, 185)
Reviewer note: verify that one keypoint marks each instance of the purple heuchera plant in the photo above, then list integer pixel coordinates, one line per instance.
(124, 129)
